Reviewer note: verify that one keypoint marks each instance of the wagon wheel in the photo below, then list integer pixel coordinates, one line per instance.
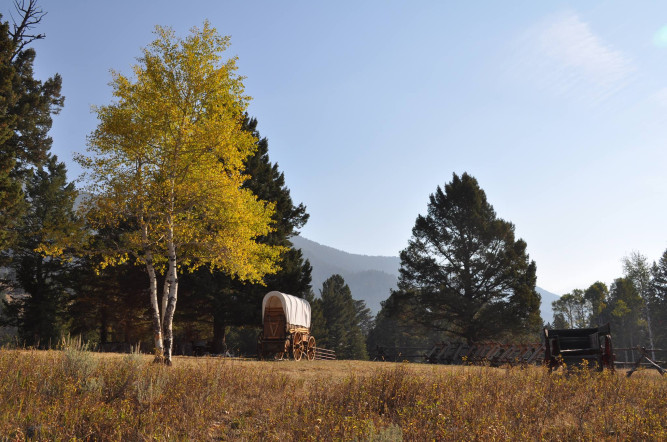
(310, 351)
(260, 346)
(297, 343)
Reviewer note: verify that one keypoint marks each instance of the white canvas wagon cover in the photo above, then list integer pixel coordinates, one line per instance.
(297, 310)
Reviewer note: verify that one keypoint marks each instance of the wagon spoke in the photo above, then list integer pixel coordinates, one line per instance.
(296, 346)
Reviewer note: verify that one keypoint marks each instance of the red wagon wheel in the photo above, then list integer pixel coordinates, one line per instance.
(297, 343)
(310, 351)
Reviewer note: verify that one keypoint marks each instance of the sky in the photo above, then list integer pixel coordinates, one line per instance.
(557, 108)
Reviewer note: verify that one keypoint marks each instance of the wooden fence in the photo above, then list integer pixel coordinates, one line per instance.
(324, 354)
(486, 353)
(628, 356)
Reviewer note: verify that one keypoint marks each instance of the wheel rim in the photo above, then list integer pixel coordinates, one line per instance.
(311, 348)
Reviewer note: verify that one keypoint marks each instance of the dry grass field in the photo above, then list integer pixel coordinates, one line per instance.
(78, 395)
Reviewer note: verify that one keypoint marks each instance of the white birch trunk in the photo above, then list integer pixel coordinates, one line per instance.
(171, 294)
(152, 277)
(165, 292)
(647, 313)
(157, 329)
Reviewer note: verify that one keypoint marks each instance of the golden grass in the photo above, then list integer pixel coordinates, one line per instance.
(78, 395)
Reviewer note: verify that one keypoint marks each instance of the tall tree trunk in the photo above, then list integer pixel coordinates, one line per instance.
(647, 313)
(152, 278)
(165, 296)
(219, 344)
(157, 329)
(172, 295)
(103, 327)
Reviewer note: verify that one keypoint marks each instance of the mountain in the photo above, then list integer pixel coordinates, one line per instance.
(344, 261)
(545, 309)
(370, 278)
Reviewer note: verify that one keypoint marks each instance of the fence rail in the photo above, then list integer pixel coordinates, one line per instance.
(485, 353)
(630, 355)
(324, 354)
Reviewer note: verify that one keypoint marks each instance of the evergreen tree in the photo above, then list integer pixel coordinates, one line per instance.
(596, 297)
(26, 107)
(624, 310)
(464, 273)
(343, 331)
(364, 317)
(40, 314)
(318, 325)
(228, 302)
(109, 305)
(394, 331)
(658, 287)
(560, 322)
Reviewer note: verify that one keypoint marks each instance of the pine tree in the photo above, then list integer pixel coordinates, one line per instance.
(658, 287)
(26, 107)
(463, 272)
(392, 329)
(40, 314)
(596, 297)
(364, 317)
(109, 305)
(318, 325)
(625, 312)
(343, 331)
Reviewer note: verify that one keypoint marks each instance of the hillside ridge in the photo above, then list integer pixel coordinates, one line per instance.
(370, 277)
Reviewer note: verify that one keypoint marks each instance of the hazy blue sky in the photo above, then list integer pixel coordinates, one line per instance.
(557, 108)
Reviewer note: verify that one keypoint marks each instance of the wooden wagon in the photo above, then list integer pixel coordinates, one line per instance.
(573, 346)
(286, 328)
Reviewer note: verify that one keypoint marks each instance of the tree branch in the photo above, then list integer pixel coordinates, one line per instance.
(30, 15)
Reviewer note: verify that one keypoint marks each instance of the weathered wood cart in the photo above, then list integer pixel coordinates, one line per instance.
(286, 332)
(573, 346)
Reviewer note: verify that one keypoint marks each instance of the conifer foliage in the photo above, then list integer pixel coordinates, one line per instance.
(40, 314)
(342, 316)
(463, 272)
(26, 107)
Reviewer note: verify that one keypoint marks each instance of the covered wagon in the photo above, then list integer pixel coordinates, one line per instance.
(286, 328)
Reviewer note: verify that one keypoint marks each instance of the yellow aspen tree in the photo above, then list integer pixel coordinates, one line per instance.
(165, 166)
